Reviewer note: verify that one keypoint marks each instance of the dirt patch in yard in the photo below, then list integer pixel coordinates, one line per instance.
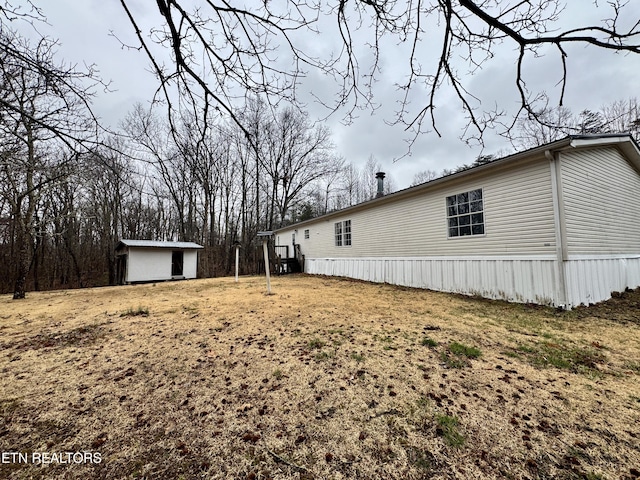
(622, 307)
(326, 378)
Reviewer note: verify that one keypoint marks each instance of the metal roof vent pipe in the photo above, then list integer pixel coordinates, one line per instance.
(380, 177)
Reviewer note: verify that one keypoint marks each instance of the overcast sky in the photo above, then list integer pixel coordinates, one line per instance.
(86, 28)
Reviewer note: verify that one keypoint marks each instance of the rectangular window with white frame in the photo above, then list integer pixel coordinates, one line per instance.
(465, 214)
(306, 234)
(338, 234)
(346, 227)
(343, 233)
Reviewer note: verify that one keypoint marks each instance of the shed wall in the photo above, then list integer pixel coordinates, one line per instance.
(154, 264)
(148, 264)
(190, 268)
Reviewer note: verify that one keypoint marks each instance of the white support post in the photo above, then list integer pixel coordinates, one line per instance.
(237, 261)
(266, 265)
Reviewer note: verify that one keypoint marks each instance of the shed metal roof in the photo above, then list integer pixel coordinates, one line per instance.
(158, 244)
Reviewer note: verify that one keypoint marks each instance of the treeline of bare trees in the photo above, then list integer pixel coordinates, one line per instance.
(152, 183)
(69, 192)
(555, 123)
(551, 124)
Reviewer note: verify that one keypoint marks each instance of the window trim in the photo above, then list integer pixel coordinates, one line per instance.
(346, 233)
(452, 211)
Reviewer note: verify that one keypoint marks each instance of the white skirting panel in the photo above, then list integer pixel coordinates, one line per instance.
(593, 279)
(523, 279)
(516, 279)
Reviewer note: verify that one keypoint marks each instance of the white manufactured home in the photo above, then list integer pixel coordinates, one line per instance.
(152, 261)
(555, 225)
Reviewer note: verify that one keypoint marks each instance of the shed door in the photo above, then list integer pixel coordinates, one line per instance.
(177, 263)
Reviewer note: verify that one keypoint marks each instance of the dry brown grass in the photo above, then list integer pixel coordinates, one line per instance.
(326, 378)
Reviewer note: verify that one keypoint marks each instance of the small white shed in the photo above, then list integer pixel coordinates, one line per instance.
(151, 261)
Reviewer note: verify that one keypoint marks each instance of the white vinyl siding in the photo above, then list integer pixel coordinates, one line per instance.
(518, 220)
(601, 193)
(506, 278)
(404, 239)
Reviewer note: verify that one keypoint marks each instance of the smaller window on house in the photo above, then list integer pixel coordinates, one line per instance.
(465, 214)
(306, 234)
(338, 234)
(343, 233)
(347, 233)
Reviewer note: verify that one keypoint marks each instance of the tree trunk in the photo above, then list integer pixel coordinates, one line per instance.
(23, 269)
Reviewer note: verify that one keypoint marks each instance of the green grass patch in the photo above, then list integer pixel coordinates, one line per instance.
(464, 351)
(136, 312)
(457, 355)
(564, 357)
(385, 338)
(358, 357)
(593, 476)
(423, 402)
(526, 349)
(323, 355)
(447, 428)
(453, 361)
(428, 342)
(315, 344)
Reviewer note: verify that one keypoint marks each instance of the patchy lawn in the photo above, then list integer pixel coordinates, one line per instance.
(326, 378)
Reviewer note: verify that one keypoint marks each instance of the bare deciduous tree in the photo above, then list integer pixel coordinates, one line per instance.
(621, 116)
(221, 52)
(423, 177)
(296, 155)
(44, 118)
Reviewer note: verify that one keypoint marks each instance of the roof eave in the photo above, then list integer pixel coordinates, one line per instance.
(624, 142)
(432, 183)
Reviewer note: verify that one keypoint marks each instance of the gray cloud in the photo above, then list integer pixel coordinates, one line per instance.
(595, 77)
